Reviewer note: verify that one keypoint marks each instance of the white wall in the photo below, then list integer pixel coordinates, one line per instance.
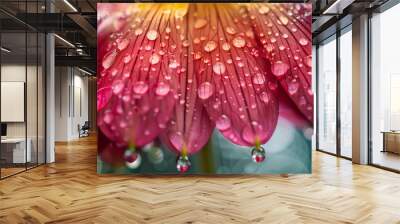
(71, 94)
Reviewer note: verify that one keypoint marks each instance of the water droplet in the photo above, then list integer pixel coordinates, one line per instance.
(293, 87)
(264, 96)
(130, 155)
(152, 35)
(183, 164)
(258, 154)
(185, 43)
(140, 87)
(154, 59)
(173, 65)
(263, 10)
(108, 118)
(135, 164)
(127, 59)
(303, 41)
(223, 123)
(219, 68)
(279, 68)
(284, 20)
(117, 87)
(200, 23)
(230, 30)
(138, 31)
(239, 42)
(162, 89)
(226, 46)
(109, 59)
(210, 46)
(123, 44)
(259, 79)
(197, 56)
(205, 90)
(308, 61)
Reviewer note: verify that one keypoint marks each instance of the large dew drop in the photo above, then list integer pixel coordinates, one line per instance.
(152, 35)
(210, 46)
(205, 90)
(293, 87)
(279, 68)
(239, 42)
(284, 20)
(219, 68)
(223, 123)
(140, 88)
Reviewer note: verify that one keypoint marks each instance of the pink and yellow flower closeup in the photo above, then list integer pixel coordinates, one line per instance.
(178, 71)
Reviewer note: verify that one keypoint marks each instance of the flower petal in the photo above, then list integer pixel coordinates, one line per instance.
(232, 76)
(141, 103)
(284, 31)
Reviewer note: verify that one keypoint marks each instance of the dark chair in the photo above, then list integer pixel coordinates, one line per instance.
(84, 130)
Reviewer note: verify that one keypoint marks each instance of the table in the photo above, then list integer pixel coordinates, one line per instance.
(391, 141)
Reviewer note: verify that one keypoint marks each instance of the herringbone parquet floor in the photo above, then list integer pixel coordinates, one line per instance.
(70, 191)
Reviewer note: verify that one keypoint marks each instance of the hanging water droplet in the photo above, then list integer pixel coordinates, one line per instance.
(140, 87)
(239, 42)
(230, 30)
(259, 79)
(154, 59)
(210, 46)
(109, 59)
(205, 90)
(130, 155)
(279, 68)
(135, 163)
(223, 123)
(303, 41)
(200, 23)
(152, 35)
(183, 164)
(162, 89)
(258, 154)
(219, 68)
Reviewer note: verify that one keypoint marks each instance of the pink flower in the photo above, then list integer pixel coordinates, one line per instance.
(178, 71)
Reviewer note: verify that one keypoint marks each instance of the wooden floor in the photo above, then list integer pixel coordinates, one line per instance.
(70, 191)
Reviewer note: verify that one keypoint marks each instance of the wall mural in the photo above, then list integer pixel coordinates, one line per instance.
(204, 88)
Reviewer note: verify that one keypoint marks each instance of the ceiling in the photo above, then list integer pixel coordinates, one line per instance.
(74, 21)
